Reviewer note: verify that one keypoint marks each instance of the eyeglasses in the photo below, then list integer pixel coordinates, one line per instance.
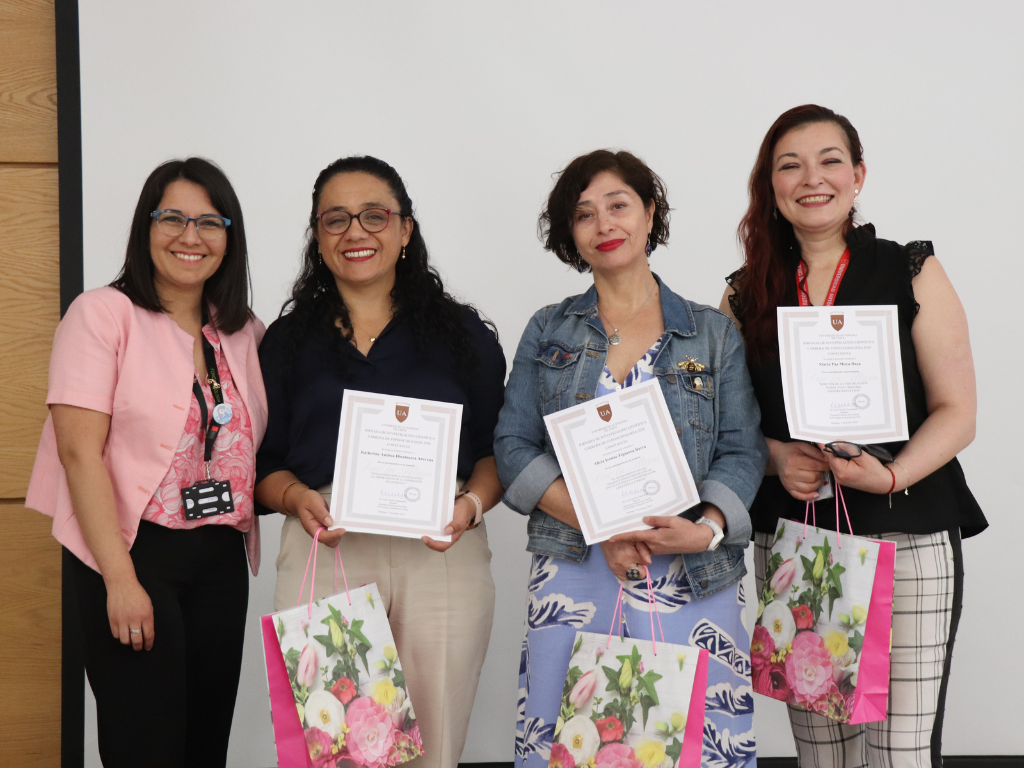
(844, 450)
(372, 220)
(173, 223)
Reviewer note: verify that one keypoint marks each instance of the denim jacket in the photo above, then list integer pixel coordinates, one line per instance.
(558, 363)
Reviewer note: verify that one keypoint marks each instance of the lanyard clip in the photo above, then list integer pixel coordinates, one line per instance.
(207, 465)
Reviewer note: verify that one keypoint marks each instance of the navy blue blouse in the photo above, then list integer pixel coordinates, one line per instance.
(305, 390)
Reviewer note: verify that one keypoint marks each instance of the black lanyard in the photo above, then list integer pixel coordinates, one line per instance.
(213, 379)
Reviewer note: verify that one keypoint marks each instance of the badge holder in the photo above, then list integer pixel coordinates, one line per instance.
(209, 497)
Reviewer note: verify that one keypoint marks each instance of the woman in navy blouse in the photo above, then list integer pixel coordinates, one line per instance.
(369, 313)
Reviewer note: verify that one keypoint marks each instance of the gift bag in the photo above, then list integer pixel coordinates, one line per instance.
(823, 632)
(337, 693)
(637, 701)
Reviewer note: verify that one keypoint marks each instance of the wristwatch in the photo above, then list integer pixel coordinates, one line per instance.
(479, 508)
(719, 533)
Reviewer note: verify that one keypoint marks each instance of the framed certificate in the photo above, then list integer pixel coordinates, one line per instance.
(395, 469)
(842, 376)
(621, 460)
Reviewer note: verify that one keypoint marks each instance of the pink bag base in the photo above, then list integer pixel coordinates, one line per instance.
(288, 734)
(871, 697)
(693, 736)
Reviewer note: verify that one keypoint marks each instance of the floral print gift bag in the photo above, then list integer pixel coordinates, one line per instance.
(631, 703)
(338, 695)
(822, 638)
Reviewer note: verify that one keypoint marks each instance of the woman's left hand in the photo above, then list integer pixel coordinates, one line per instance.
(670, 535)
(465, 512)
(865, 473)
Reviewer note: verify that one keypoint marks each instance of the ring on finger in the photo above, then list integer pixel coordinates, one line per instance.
(633, 574)
(135, 631)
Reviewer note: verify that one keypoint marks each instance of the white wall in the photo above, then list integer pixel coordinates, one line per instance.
(480, 103)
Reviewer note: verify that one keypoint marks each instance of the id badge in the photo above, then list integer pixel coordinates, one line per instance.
(207, 498)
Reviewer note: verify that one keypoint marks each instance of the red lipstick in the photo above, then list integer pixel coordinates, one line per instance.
(610, 245)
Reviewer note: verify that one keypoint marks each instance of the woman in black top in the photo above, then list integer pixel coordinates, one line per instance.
(803, 197)
(369, 313)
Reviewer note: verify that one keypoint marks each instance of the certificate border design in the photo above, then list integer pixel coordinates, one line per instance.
(559, 425)
(885, 316)
(353, 407)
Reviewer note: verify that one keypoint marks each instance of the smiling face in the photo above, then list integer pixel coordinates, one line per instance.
(358, 257)
(814, 178)
(183, 263)
(610, 224)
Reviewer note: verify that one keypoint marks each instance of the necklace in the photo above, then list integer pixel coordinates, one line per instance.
(615, 339)
(374, 338)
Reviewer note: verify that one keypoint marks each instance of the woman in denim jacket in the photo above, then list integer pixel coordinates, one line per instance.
(606, 213)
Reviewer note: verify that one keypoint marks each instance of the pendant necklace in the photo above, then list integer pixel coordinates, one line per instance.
(615, 339)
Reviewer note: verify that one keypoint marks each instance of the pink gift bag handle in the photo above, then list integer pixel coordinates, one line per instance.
(839, 497)
(312, 581)
(651, 602)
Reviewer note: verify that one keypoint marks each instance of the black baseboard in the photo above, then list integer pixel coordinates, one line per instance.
(964, 761)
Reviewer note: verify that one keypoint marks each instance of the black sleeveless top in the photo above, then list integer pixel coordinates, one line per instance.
(880, 272)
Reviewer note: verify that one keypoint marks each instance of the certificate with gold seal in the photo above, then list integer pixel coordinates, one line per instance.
(842, 375)
(622, 461)
(394, 472)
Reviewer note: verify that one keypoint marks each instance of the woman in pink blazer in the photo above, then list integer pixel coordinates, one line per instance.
(146, 465)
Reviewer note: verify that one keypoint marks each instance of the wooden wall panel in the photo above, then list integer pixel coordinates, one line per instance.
(30, 635)
(29, 312)
(28, 82)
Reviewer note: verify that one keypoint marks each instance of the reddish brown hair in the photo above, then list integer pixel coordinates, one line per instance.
(767, 237)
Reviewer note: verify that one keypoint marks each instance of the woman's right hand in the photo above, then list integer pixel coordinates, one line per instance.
(800, 466)
(311, 509)
(128, 608)
(623, 555)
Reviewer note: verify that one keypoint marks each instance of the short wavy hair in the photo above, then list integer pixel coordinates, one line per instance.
(556, 220)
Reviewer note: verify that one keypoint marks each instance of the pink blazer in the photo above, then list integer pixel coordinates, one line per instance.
(136, 365)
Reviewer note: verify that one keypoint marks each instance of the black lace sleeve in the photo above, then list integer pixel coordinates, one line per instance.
(735, 305)
(917, 252)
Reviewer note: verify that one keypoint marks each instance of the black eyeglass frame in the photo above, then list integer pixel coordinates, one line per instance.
(878, 451)
(155, 215)
(387, 220)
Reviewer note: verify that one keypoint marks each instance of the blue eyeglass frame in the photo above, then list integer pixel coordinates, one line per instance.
(227, 222)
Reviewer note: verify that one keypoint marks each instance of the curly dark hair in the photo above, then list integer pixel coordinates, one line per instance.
(418, 296)
(767, 238)
(227, 290)
(556, 220)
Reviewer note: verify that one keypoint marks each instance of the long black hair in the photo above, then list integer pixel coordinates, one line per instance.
(419, 297)
(227, 290)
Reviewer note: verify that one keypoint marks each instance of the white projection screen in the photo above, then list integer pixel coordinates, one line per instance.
(477, 104)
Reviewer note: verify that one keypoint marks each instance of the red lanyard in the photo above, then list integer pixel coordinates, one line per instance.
(837, 278)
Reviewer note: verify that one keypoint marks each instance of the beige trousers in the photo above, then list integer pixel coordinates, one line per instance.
(440, 606)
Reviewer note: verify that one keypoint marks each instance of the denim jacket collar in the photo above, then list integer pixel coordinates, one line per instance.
(676, 313)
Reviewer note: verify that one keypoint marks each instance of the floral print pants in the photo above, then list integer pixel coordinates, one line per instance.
(565, 597)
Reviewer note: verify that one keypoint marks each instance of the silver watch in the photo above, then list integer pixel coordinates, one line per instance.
(719, 533)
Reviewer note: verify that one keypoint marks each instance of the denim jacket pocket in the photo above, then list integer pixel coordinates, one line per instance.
(700, 399)
(556, 365)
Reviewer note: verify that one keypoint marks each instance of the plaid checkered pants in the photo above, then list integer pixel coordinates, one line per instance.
(926, 609)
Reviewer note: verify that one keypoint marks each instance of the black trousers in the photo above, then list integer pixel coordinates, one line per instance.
(170, 706)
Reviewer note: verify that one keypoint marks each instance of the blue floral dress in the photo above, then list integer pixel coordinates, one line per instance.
(565, 597)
